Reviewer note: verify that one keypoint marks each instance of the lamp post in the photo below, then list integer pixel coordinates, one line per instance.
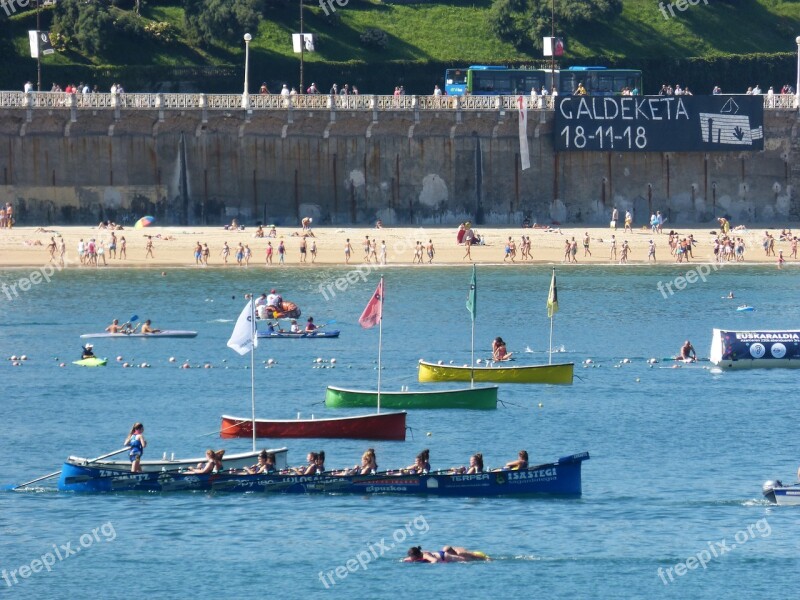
(246, 94)
(797, 84)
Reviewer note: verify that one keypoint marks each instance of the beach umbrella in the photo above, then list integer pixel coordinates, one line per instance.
(144, 222)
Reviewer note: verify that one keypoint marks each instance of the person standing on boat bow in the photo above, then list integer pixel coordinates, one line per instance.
(137, 444)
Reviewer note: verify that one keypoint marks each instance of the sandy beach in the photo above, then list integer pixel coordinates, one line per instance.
(175, 246)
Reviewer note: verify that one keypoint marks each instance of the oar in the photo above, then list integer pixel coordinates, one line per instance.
(132, 320)
(27, 483)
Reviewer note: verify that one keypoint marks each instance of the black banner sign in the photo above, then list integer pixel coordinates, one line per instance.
(659, 123)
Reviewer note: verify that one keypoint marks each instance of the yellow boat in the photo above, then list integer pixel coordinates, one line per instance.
(553, 374)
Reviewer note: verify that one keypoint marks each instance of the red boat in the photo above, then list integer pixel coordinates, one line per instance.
(375, 426)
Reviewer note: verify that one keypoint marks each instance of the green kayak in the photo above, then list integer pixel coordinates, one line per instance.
(91, 362)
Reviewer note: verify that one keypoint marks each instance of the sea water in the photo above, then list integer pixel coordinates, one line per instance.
(671, 504)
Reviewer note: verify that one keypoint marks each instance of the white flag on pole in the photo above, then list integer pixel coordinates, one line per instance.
(524, 155)
(244, 339)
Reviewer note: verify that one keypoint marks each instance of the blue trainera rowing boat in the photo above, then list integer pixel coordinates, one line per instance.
(560, 478)
(328, 333)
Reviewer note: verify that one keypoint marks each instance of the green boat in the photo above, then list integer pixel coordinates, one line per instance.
(91, 362)
(478, 398)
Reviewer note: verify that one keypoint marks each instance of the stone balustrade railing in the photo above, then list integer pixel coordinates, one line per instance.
(307, 102)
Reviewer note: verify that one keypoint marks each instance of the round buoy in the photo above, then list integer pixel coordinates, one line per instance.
(16, 363)
(187, 366)
(224, 360)
(638, 380)
(270, 361)
(207, 366)
(479, 361)
(540, 405)
(652, 361)
(439, 363)
(55, 358)
(588, 361)
(125, 365)
(62, 365)
(171, 359)
(625, 361)
(333, 361)
(119, 359)
(451, 362)
(13, 357)
(23, 357)
(144, 365)
(429, 434)
(319, 360)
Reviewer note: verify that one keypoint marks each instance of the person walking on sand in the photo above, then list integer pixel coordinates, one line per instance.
(206, 254)
(123, 248)
(62, 252)
(112, 247)
(373, 250)
(149, 247)
(303, 249)
(625, 249)
(468, 246)
(348, 249)
(628, 221)
(383, 252)
(52, 247)
(239, 254)
(226, 252)
(269, 253)
(781, 260)
(573, 250)
(198, 254)
(613, 247)
(431, 251)
(586, 250)
(247, 254)
(313, 251)
(651, 252)
(366, 249)
(281, 252)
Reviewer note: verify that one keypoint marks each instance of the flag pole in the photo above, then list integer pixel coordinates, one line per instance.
(380, 345)
(472, 358)
(253, 342)
(552, 314)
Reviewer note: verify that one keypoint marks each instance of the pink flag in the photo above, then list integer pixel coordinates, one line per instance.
(374, 311)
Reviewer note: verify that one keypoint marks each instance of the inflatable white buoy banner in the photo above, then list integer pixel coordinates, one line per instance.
(755, 349)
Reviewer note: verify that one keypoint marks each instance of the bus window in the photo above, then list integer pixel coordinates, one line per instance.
(455, 77)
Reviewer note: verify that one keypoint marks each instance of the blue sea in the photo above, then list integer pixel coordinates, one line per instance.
(671, 504)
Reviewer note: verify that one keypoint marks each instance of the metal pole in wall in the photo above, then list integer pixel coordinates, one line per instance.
(302, 47)
(38, 52)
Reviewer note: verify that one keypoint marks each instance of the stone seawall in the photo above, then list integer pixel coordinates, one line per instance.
(404, 167)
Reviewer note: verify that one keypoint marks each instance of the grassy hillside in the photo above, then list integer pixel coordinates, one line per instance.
(432, 35)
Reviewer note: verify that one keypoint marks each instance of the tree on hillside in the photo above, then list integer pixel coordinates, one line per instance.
(86, 26)
(227, 20)
(525, 22)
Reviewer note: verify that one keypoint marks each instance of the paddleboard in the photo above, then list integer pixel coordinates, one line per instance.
(91, 362)
(166, 333)
(745, 309)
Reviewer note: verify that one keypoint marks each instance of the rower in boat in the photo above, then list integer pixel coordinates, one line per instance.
(265, 465)
(146, 328)
(687, 352)
(310, 327)
(295, 328)
(87, 351)
(499, 352)
(213, 463)
(315, 466)
(271, 327)
(475, 465)
(115, 327)
(520, 464)
(422, 465)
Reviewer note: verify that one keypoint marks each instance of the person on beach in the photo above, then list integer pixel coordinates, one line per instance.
(781, 260)
(366, 249)
(567, 248)
(313, 251)
(794, 248)
(614, 218)
(269, 253)
(52, 247)
(430, 250)
(651, 252)
(239, 254)
(281, 252)
(468, 246)
(81, 251)
(586, 250)
(123, 248)
(112, 246)
(625, 250)
(687, 352)
(226, 252)
(137, 444)
(206, 254)
(303, 249)
(348, 249)
(247, 254)
(198, 254)
(613, 247)
(62, 251)
(499, 351)
(149, 247)
(573, 250)
(382, 258)
(628, 221)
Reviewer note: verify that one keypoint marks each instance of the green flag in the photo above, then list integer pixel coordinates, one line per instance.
(472, 306)
(552, 297)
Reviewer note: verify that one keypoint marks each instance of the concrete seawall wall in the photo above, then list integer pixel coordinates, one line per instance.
(405, 167)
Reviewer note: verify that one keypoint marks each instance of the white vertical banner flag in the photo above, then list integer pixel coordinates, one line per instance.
(244, 339)
(524, 155)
